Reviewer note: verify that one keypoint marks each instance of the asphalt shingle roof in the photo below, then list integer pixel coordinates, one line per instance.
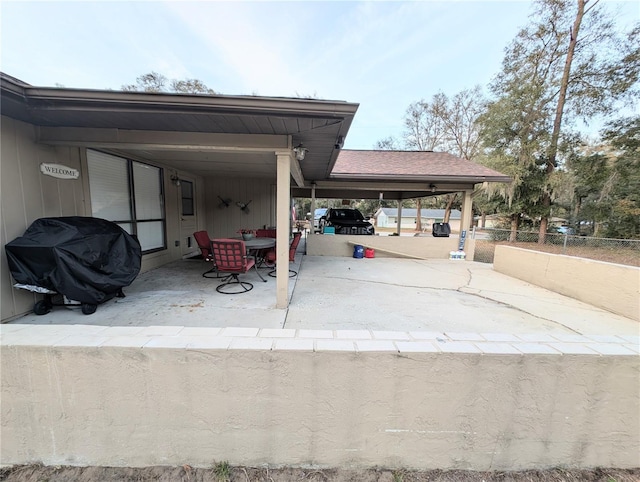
(410, 164)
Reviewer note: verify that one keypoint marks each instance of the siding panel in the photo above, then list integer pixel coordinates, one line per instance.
(27, 195)
(226, 221)
(14, 219)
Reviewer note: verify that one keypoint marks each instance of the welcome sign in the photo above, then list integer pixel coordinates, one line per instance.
(59, 171)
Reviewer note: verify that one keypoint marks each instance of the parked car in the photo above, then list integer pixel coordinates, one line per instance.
(562, 230)
(319, 212)
(346, 221)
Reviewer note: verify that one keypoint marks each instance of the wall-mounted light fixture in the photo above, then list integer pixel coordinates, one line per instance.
(339, 142)
(432, 187)
(175, 179)
(300, 152)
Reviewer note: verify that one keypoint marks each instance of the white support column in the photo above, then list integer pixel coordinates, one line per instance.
(313, 208)
(399, 220)
(283, 210)
(467, 211)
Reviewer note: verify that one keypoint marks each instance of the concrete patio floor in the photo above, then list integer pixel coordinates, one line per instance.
(336, 293)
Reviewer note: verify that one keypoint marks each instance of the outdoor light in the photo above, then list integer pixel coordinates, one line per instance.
(433, 187)
(300, 152)
(175, 179)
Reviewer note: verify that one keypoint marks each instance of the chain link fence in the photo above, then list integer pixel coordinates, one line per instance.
(621, 251)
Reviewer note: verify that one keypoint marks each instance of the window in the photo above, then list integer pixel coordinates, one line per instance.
(186, 188)
(129, 193)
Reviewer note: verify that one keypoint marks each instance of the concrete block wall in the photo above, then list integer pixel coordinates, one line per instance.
(613, 287)
(421, 247)
(125, 396)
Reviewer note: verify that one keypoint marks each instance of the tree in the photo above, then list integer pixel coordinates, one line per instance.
(624, 215)
(155, 82)
(387, 144)
(568, 63)
(443, 124)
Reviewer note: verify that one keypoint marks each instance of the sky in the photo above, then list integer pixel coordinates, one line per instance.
(383, 55)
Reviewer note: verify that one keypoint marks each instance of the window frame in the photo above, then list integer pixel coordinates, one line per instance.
(192, 198)
(133, 222)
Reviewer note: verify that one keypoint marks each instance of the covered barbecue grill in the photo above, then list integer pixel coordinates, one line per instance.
(86, 260)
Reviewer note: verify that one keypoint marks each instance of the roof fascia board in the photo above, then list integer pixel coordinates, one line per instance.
(160, 140)
(263, 105)
(412, 177)
(337, 193)
(454, 185)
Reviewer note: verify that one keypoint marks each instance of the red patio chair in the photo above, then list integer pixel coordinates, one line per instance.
(264, 233)
(204, 243)
(230, 257)
(270, 257)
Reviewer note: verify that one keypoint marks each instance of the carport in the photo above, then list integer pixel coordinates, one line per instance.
(398, 175)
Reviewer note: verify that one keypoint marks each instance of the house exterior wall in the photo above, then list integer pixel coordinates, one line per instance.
(385, 221)
(613, 287)
(125, 396)
(27, 195)
(224, 222)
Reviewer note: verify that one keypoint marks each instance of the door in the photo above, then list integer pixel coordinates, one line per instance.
(188, 217)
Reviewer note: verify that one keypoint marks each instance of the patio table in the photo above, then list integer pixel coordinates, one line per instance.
(256, 246)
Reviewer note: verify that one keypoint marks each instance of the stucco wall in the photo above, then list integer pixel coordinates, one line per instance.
(124, 396)
(423, 247)
(613, 287)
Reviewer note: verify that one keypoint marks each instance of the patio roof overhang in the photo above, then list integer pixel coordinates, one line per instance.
(202, 134)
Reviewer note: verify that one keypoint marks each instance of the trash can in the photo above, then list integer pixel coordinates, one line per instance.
(369, 253)
(358, 251)
(441, 230)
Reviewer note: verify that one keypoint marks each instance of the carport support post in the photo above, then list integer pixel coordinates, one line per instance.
(467, 211)
(399, 218)
(283, 211)
(313, 209)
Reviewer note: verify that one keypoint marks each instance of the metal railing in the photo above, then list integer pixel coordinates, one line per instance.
(621, 251)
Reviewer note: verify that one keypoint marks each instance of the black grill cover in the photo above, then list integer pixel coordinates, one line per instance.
(86, 259)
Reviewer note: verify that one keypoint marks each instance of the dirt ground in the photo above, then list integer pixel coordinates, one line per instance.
(225, 473)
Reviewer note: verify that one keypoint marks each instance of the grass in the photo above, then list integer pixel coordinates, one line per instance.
(222, 471)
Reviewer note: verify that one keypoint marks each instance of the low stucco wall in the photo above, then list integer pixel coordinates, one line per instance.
(613, 287)
(421, 247)
(124, 396)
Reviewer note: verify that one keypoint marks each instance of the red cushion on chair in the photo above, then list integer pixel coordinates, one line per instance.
(230, 255)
